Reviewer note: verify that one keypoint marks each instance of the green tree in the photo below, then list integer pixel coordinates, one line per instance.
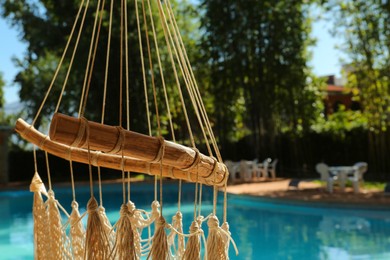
(46, 25)
(365, 28)
(259, 77)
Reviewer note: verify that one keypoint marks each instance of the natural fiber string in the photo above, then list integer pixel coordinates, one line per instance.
(77, 230)
(97, 245)
(93, 57)
(57, 235)
(83, 92)
(143, 67)
(61, 61)
(107, 62)
(73, 54)
(41, 240)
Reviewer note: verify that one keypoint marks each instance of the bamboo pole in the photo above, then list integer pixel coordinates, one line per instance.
(205, 173)
(81, 133)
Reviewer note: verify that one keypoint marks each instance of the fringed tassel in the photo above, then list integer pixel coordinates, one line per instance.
(96, 243)
(177, 224)
(159, 250)
(134, 219)
(77, 232)
(56, 233)
(41, 239)
(108, 229)
(124, 243)
(192, 251)
(215, 246)
(226, 238)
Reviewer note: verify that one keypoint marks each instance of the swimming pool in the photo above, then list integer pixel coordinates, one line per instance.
(262, 229)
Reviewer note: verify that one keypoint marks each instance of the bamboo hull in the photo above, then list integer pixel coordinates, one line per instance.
(213, 173)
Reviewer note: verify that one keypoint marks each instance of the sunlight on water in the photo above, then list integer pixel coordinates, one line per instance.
(262, 229)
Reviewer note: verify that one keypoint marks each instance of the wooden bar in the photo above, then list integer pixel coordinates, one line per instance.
(77, 132)
(202, 173)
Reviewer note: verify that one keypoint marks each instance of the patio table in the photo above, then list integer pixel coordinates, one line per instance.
(342, 173)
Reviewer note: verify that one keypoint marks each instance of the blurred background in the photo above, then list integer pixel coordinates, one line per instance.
(303, 81)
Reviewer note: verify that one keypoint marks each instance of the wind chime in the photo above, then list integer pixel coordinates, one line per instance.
(77, 139)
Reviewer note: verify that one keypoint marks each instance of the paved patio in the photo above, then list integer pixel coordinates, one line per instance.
(307, 190)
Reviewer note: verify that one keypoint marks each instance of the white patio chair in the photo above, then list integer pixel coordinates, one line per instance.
(264, 167)
(233, 168)
(272, 168)
(323, 170)
(245, 170)
(359, 169)
(256, 169)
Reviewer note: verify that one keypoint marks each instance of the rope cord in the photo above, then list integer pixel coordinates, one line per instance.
(179, 90)
(201, 104)
(107, 62)
(93, 56)
(61, 60)
(159, 65)
(143, 67)
(89, 59)
(100, 187)
(127, 68)
(163, 22)
(48, 170)
(85, 122)
(72, 178)
(73, 53)
(35, 158)
(152, 78)
(127, 89)
(121, 66)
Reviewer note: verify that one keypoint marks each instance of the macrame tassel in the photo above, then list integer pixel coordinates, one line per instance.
(215, 245)
(77, 232)
(124, 243)
(108, 229)
(96, 243)
(226, 238)
(41, 239)
(159, 250)
(177, 224)
(57, 236)
(134, 219)
(192, 251)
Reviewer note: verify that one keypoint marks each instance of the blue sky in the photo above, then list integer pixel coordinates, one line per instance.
(325, 59)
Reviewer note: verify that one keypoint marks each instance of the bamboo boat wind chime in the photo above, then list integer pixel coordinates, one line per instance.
(96, 144)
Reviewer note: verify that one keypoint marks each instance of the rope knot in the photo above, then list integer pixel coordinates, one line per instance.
(213, 222)
(178, 216)
(92, 205)
(131, 206)
(50, 193)
(75, 205)
(160, 221)
(124, 210)
(155, 205)
(194, 227)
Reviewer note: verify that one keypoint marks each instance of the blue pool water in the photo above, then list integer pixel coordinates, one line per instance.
(262, 229)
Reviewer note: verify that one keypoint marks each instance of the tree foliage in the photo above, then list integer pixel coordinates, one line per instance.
(257, 51)
(46, 25)
(365, 28)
